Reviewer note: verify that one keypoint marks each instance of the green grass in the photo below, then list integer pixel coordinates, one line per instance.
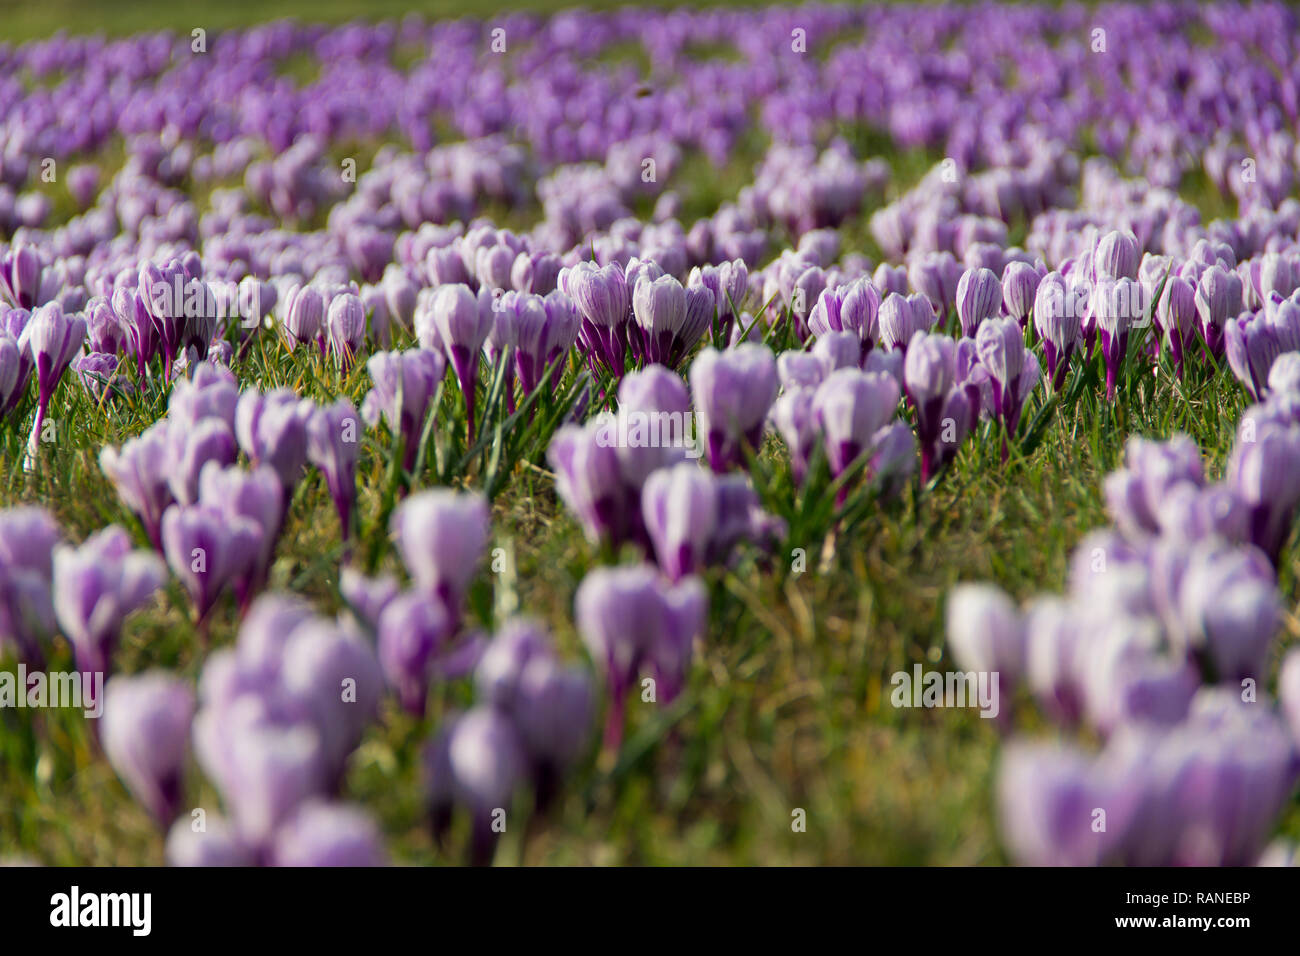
(786, 707)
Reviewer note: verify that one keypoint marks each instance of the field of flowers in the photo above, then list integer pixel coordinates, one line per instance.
(751, 435)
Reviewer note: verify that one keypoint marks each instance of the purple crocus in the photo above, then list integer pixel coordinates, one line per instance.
(1218, 298)
(208, 551)
(191, 447)
(413, 629)
(333, 446)
(139, 471)
(898, 322)
(142, 337)
(979, 295)
(1265, 475)
(1117, 306)
(849, 408)
(441, 536)
(589, 478)
(95, 587)
(680, 509)
(217, 844)
(485, 763)
(458, 322)
(28, 535)
(145, 734)
(160, 294)
(1020, 283)
(629, 619)
(1013, 369)
(272, 430)
(404, 387)
(943, 410)
(733, 391)
(793, 417)
(304, 316)
(256, 495)
(20, 276)
(53, 340)
(851, 308)
(1058, 317)
(346, 326)
(1177, 315)
(604, 301)
(328, 834)
(985, 632)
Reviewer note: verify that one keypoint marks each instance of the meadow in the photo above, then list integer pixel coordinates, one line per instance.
(782, 746)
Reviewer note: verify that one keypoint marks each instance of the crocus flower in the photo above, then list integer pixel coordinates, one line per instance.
(95, 587)
(336, 675)
(256, 495)
(679, 506)
(848, 308)
(1177, 314)
(404, 387)
(795, 421)
(366, 597)
(146, 734)
(139, 471)
(217, 844)
(1218, 297)
(1020, 283)
(272, 430)
(849, 408)
(160, 294)
(629, 619)
(142, 337)
(733, 391)
(20, 276)
(11, 365)
(1153, 470)
(28, 535)
(515, 644)
(458, 322)
(901, 318)
(1265, 474)
(590, 479)
(104, 332)
(328, 834)
(192, 447)
(53, 339)
(1116, 303)
(333, 447)
(1047, 798)
(979, 295)
(943, 410)
(441, 536)
(304, 315)
(486, 763)
(346, 322)
(270, 769)
(1058, 317)
(1228, 611)
(985, 632)
(208, 550)
(604, 301)
(1013, 370)
(553, 708)
(728, 281)
(1253, 343)
(1117, 256)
